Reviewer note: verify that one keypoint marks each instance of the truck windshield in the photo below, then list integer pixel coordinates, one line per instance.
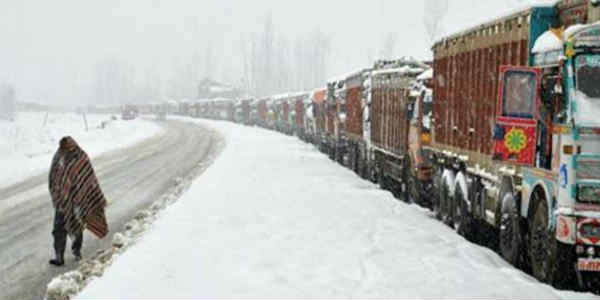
(587, 72)
(519, 94)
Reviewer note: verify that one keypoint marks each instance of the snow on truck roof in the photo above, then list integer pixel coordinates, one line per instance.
(553, 40)
(491, 19)
(404, 70)
(289, 95)
(428, 74)
(347, 75)
(548, 41)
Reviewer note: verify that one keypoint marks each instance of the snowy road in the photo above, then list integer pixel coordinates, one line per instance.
(274, 218)
(131, 179)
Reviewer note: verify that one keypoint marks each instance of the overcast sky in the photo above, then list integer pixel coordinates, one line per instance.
(49, 47)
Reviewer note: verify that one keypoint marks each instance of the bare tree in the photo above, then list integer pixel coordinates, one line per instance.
(113, 81)
(435, 10)
(273, 64)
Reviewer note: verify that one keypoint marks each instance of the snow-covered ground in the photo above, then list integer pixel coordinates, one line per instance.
(274, 218)
(27, 145)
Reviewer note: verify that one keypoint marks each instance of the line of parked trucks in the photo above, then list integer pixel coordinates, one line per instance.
(501, 131)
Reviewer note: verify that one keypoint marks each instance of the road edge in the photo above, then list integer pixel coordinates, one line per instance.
(69, 284)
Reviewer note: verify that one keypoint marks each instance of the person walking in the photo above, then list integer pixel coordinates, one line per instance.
(77, 199)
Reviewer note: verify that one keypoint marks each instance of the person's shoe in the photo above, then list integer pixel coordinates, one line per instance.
(77, 255)
(58, 261)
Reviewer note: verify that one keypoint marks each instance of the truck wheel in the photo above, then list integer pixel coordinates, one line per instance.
(382, 180)
(540, 247)
(412, 193)
(412, 185)
(372, 174)
(462, 219)
(445, 207)
(510, 230)
(436, 195)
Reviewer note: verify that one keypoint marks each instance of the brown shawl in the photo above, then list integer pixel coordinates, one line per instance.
(75, 190)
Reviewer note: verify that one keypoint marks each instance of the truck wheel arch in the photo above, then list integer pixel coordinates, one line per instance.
(461, 181)
(449, 178)
(506, 186)
(540, 188)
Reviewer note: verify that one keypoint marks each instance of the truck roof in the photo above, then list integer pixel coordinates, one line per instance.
(518, 13)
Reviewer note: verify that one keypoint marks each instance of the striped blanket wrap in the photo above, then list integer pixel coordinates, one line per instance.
(75, 190)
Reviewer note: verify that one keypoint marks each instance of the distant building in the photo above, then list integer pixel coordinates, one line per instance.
(210, 89)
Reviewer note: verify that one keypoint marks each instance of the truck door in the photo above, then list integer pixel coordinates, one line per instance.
(515, 132)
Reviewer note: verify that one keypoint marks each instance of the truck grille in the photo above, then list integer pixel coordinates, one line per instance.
(588, 169)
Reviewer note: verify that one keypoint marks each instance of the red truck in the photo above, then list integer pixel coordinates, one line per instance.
(347, 93)
(314, 124)
(301, 103)
(390, 108)
(262, 111)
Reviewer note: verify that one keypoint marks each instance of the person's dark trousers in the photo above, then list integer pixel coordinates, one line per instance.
(60, 240)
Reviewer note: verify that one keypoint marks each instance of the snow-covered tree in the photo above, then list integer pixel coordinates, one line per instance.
(113, 81)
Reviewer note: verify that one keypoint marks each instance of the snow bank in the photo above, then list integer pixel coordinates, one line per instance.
(274, 218)
(27, 145)
(67, 285)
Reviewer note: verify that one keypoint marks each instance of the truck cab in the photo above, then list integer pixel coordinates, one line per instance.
(549, 125)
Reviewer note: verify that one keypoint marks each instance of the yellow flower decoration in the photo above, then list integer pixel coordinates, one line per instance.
(515, 140)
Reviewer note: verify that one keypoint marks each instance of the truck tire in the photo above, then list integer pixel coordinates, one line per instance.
(510, 230)
(540, 246)
(462, 220)
(445, 202)
(382, 181)
(437, 190)
(412, 189)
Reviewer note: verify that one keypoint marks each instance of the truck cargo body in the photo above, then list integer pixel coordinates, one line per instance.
(319, 117)
(246, 111)
(389, 128)
(510, 141)
(284, 121)
(328, 138)
(302, 104)
(350, 138)
(263, 112)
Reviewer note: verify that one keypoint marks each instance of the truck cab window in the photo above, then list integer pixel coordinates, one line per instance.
(519, 95)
